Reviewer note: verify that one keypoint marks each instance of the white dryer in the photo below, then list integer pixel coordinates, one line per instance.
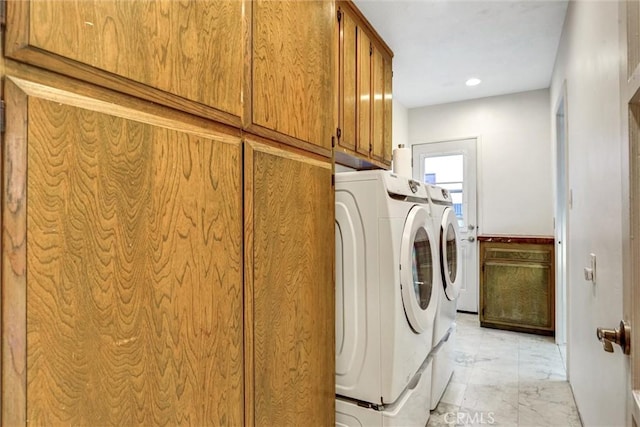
(448, 237)
(386, 264)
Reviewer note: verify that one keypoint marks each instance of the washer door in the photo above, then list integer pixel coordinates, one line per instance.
(418, 266)
(450, 261)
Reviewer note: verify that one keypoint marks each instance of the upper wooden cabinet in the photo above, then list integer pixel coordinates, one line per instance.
(364, 94)
(186, 54)
(265, 66)
(293, 73)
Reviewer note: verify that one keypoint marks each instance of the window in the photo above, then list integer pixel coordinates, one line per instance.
(447, 172)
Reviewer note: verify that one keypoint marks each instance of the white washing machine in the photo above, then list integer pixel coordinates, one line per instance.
(449, 281)
(386, 264)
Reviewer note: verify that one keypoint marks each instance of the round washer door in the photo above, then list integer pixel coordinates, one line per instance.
(418, 266)
(450, 261)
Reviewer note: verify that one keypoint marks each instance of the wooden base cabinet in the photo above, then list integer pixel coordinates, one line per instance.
(289, 288)
(517, 283)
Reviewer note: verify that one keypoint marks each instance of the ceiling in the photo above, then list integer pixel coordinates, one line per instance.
(439, 44)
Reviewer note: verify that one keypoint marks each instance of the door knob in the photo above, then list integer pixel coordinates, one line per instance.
(470, 239)
(620, 336)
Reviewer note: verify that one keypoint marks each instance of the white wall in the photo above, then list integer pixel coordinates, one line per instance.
(589, 60)
(400, 125)
(514, 156)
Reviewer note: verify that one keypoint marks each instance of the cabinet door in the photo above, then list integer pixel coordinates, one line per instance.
(364, 86)
(166, 46)
(293, 73)
(517, 289)
(348, 81)
(377, 105)
(122, 262)
(388, 111)
(289, 288)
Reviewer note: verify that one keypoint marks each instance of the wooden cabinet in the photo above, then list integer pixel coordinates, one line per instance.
(517, 283)
(348, 83)
(191, 56)
(364, 100)
(381, 107)
(168, 213)
(122, 260)
(188, 55)
(293, 73)
(289, 287)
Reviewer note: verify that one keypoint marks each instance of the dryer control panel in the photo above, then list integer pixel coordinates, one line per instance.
(402, 186)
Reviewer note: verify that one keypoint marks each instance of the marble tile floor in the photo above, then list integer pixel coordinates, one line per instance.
(505, 378)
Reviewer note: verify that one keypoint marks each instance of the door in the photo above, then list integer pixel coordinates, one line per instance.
(293, 72)
(289, 288)
(158, 44)
(450, 254)
(452, 165)
(561, 222)
(123, 279)
(364, 106)
(418, 250)
(348, 82)
(377, 104)
(632, 283)
(630, 89)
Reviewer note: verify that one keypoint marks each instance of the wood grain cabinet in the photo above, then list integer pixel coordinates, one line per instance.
(168, 213)
(293, 73)
(289, 288)
(266, 66)
(365, 98)
(517, 283)
(122, 261)
(186, 54)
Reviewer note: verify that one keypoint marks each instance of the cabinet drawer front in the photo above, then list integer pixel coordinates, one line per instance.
(519, 255)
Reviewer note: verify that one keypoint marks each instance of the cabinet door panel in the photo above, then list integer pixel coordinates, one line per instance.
(388, 110)
(364, 110)
(517, 289)
(377, 78)
(290, 287)
(164, 45)
(293, 70)
(131, 265)
(349, 78)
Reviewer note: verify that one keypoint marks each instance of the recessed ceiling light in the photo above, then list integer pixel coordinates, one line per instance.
(473, 81)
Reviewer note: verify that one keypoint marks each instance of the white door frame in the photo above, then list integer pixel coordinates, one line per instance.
(461, 146)
(562, 199)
